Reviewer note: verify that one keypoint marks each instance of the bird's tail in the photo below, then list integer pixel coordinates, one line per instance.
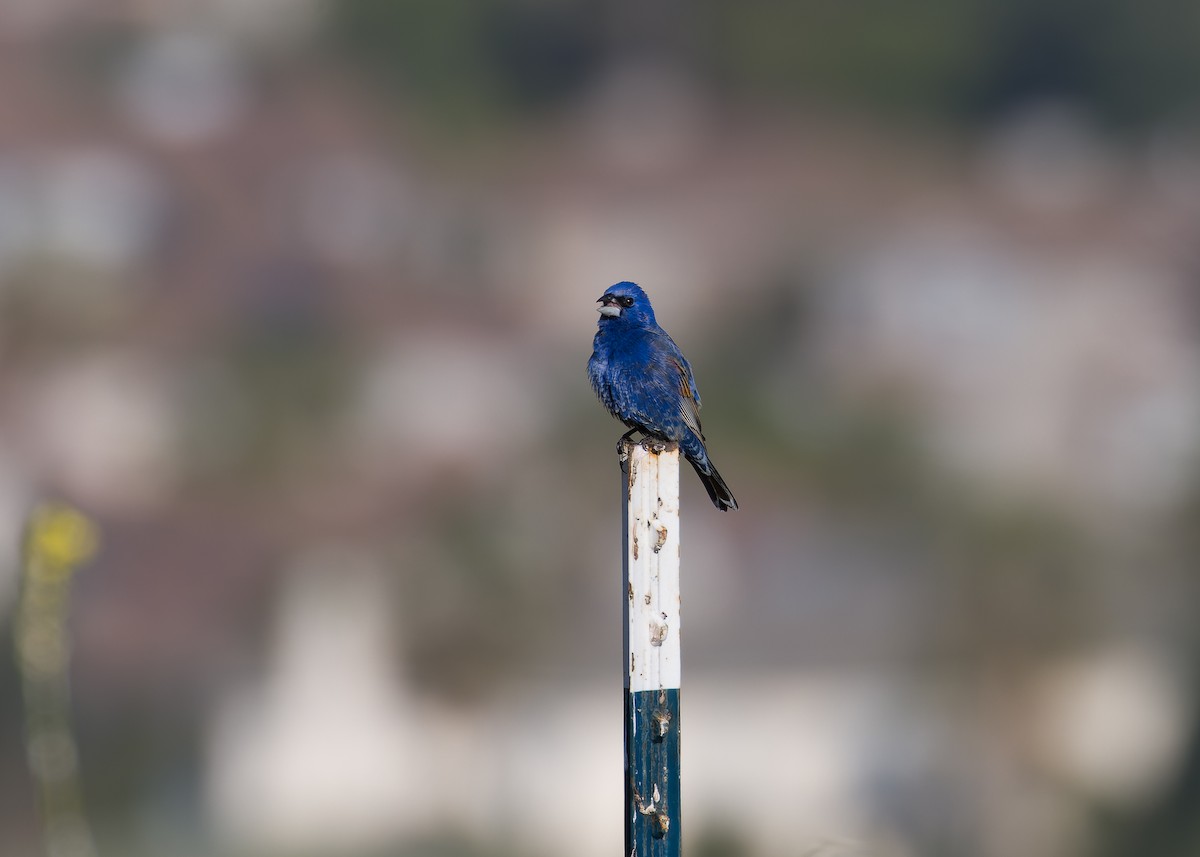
(717, 490)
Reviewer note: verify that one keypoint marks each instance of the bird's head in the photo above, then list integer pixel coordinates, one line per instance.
(626, 301)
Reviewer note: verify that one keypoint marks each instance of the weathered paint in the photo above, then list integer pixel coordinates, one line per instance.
(650, 589)
(652, 517)
(652, 773)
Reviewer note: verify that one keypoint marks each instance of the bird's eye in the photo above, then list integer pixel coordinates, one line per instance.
(626, 301)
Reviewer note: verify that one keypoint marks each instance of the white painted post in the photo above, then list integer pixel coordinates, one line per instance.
(650, 503)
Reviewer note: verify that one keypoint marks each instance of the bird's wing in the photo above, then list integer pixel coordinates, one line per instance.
(689, 398)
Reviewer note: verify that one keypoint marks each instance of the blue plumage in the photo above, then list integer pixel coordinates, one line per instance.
(644, 380)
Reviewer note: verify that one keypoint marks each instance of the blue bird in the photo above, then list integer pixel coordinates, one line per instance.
(644, 380)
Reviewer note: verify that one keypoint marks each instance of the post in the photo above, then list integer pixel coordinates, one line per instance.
(650, 503)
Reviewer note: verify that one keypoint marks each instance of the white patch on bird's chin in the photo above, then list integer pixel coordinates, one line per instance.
(610, 311)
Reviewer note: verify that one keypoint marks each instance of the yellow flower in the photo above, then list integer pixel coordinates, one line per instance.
(58, 539)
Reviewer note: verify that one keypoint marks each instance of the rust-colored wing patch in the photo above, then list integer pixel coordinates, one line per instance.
(689, 408)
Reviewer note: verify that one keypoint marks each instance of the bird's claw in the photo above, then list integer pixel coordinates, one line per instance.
(622, 448)
(649, 442)
(654, 444)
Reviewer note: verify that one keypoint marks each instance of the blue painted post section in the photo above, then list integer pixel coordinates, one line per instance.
(650, 506)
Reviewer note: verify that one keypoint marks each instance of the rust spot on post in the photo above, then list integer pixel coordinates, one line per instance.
(660, 538)
(662, 824)
(635, 546)
(662, 724)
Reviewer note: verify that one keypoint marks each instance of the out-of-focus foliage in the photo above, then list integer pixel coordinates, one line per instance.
(472, 61)
(959, 62)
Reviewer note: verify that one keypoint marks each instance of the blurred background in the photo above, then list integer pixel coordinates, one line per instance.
(295, 303)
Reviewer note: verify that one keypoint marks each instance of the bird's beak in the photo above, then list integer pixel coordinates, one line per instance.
(608, 307)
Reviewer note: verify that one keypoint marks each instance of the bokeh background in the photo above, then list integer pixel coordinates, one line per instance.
(295, 302)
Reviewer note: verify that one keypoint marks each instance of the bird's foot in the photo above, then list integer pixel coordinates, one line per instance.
(625, 438)
(650, 443)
